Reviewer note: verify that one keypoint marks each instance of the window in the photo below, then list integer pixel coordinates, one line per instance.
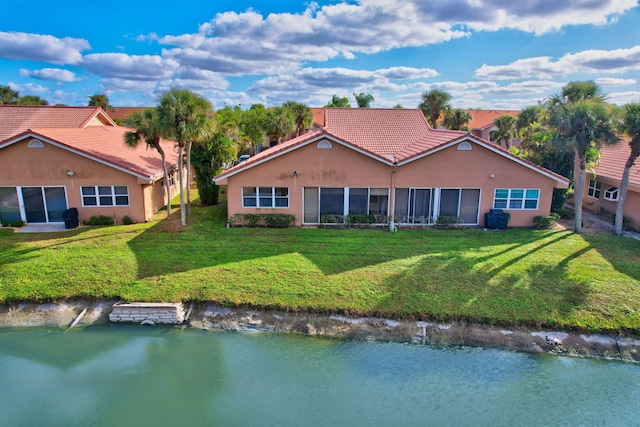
(594, 189)
(611, 193)
(105, 195)
(413, 205)
(324, 144)
(344, 201)
(516, 198)
(265, 197)
(35, 143)
(170, 178)
(464, 146)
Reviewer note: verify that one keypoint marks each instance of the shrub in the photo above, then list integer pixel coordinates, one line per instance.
(564, 213)
(448, 221)
(278, 220)
(267, 220)
(333, 219)
(16, 223)
(360, 219)
(99, 220)
(4, 223)
(126, 220)
(546, 221)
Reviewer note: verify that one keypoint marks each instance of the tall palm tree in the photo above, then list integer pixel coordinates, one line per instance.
(434, 104)
(209, 158)
(457, 119)
(146, 127)
(302, 116)
(280, 122)
(364, 100)
(336, 101)
(528, 116)
(583, 124)
(8, 96)
(505, 130)
(630, 126)
(185, 117)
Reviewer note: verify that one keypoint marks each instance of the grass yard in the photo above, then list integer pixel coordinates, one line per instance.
(518, 276)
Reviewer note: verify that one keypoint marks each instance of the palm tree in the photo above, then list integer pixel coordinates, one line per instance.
(185, 117)
(100, 100)
(528, 116)
(583, 124)
(336, 101)
(208, 158)
(32, 100)
(457, 119)
(8, 96)
(631, 126)
(434, 104)
(505, 130)
(302, 116)
(253, 125)
(364, 100)
(280, 122)
(146, 127)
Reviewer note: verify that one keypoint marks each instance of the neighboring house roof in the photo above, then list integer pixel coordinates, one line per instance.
(483, 119)
(105, 144)
(15, 119)
(392, 136)
(613, 160)
(318, 116)
(121, 113)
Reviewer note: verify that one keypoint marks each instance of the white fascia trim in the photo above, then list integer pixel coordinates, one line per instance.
(297, 146)
(488, 147)
(80, 153)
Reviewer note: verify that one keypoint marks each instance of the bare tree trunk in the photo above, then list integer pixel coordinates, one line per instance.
(183, 214)
(578, 189)
(622, 196)
(188, 155)
(165, 179)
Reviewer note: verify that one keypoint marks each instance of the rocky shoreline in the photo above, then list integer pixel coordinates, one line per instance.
(210, 316)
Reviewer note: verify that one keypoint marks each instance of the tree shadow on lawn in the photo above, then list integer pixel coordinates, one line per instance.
(165, 249)
(455, 287)
(623, 253)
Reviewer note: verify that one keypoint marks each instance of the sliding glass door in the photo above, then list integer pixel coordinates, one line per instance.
(43, 204)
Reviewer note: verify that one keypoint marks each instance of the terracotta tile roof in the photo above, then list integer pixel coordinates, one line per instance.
(612, 163)
(318, 116)
(15, 119)
(106, 144)
(385, 132)
(121, 113)
(484, 118)
(390, 135)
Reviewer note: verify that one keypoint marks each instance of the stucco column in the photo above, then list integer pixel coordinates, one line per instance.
(392, 199)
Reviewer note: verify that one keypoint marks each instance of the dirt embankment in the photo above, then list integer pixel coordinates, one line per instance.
(211, 316)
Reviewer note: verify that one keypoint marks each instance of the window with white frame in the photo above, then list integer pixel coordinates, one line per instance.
(516, 198)
(594, 189)
(611, 193)
(265, 197)
(170, 178)
(320, 201)
(105, 195)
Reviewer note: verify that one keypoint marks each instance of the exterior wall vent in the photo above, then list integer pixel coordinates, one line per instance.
(36, 143)
(464, 146)
(324, 144)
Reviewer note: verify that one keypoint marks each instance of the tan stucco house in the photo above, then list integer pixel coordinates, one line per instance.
(55, 158)
(391, 164)
(603, 185)
(482, 125)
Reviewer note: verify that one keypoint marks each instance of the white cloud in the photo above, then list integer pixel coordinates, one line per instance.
(544, 67)
(55, 74)
(28, 88)
(44, 48)
(129, 67)
(611, 81)
(621, 98)
(111, 85)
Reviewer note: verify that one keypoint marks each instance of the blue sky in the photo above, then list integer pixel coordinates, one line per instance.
(499, 54)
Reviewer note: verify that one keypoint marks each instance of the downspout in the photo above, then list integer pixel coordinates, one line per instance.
(392, 199)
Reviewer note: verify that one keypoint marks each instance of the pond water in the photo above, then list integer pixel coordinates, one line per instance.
(119, 375)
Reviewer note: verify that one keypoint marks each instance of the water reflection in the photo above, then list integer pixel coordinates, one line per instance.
(170, 376)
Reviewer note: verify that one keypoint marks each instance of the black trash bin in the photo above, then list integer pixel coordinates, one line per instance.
(70, 217)
(496, 219)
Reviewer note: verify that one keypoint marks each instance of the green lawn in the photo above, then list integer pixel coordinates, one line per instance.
(517, 276)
